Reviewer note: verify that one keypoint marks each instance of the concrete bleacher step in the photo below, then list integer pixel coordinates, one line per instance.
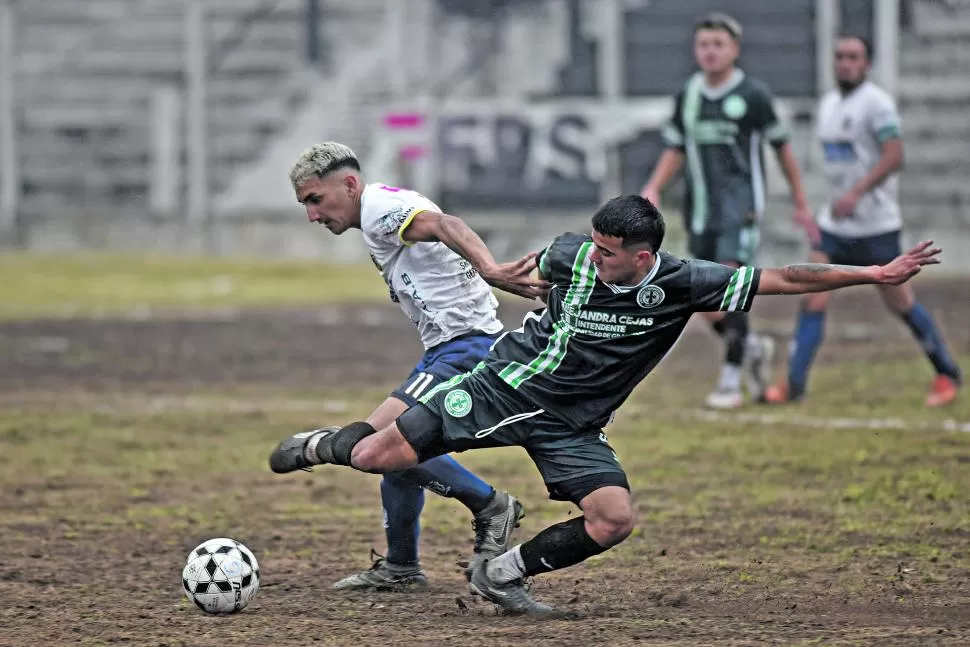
(60, 11)
(935, 57)
(938, 21)
(141, 62)
(932, 184)
(938, 151)
(954, 89)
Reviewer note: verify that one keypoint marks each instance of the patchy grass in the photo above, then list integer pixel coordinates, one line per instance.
(802, 525)
(732, 517)
(37, 285)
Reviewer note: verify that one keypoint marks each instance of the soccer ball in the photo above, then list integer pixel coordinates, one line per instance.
(220, 576)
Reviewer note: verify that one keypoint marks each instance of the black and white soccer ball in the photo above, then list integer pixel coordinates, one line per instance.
(221, 576)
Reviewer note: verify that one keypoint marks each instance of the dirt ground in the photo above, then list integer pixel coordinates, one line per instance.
(107, 576)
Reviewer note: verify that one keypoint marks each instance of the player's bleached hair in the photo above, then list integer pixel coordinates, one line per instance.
(321, 159)
(634, 219)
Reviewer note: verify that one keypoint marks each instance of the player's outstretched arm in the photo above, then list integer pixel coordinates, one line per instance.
(515, 277)
(819, 277)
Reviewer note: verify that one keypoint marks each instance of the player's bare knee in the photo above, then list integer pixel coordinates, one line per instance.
(612, 529)
(609, 525)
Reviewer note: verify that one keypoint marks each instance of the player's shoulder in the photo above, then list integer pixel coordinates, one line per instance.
(384, 208)
(688, 272)
(673, 269)
(695, 79)
(876, 96)
(561, 254)
(829, 98)
(755, 87)
(571, 240)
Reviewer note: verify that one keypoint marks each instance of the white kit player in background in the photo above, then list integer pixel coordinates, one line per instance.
(439, 271)
(861, 136)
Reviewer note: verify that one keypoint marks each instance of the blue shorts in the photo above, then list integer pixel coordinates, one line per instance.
(443, 362)
(869, 250)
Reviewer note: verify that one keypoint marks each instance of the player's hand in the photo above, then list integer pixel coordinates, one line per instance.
(906, 266)
(516, 278)
(845, 206)
(803, 218)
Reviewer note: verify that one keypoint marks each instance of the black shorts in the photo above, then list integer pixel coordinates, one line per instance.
(476, 410)
(732, 245)
(864, 251)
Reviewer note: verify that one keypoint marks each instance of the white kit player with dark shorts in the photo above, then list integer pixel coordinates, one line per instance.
(860, 133)
(436, 269)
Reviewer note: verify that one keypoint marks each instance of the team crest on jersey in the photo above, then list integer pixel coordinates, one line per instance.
(458, 403)
(650, 296)
(735, 106)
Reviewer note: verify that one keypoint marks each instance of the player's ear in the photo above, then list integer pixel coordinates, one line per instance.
(351, 182)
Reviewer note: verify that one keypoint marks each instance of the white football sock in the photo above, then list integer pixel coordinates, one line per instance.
(730, 379)
(310, 450)
(507, 567)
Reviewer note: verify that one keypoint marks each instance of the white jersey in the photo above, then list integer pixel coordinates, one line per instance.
(437, 289)
(852, 130)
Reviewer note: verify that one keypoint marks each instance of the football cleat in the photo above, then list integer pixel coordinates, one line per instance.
(384, 576)
(290, 455)
(493, 528)
(943, 391)
(511, 597)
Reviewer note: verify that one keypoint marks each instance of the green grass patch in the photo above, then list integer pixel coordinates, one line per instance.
(37, 285)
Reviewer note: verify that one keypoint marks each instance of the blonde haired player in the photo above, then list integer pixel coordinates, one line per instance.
(439, 271)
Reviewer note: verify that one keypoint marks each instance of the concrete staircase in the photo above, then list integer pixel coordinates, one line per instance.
(88, 72)
(934, 95)
(445, 57)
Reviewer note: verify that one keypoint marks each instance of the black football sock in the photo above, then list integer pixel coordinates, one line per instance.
(735, 326)
(335, 448)
(558, 546)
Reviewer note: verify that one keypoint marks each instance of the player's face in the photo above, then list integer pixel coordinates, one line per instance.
(330, 201)
(851, 62)
(618, 264)
(715, 50)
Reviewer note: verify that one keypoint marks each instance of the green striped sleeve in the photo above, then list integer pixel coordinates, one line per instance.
(737, 295)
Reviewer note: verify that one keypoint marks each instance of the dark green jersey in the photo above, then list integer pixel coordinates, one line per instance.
(580, 358)
(720, 130)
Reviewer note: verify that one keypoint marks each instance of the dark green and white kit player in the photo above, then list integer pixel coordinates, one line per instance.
(721, 119)
(616, 307)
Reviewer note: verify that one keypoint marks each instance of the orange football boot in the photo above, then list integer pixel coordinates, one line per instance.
(776, 394)
(943, 392)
